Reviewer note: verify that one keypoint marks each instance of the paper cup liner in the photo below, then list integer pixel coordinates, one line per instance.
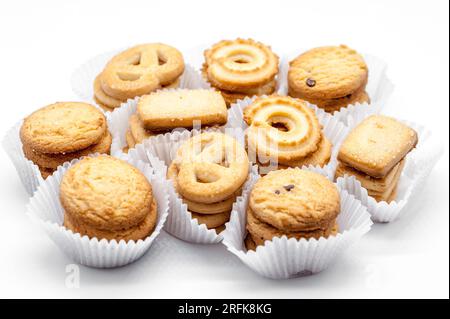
(283, 258)
(82, 79)
(46, 211)
(379, 87)
(160, 151)
(419, 163)
(333, 129)
(29, 173)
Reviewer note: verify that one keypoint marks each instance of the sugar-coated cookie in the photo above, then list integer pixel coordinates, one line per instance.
(377, 144)
(181, 108)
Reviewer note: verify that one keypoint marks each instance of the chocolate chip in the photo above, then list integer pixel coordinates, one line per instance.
(310, 82)
(289, 187)
(277, 192)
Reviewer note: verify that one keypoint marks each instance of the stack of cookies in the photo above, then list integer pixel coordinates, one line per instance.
(163, 111)
(208, 173)
(63, 131)
(137, 71)
(240, 68)
(374, 153)
(294, 203)
(284, 132)
(329, 77)
(105, 197)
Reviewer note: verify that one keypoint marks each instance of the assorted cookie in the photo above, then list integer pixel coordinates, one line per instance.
(284, 132)
(330, 77)
(374, 153)
(63, 131)
(208, 173)
(107, 198)
(294, 203)
(137, 71)
(163, 111)
(240, 68)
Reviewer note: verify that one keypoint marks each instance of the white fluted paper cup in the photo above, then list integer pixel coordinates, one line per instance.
(160, 151)
(46, 211)
(379, 87)
(82, 79)
(29, 173)
(419, 164)
(333, 129)
(283, 258)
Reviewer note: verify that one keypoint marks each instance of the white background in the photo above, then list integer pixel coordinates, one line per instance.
(42, 42)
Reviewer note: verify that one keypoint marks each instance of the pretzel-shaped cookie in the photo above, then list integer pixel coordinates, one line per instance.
(240, 64)
(141, 69)
(211, 167)
(282, 127)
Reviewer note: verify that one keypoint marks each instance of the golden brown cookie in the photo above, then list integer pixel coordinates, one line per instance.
(327, 73)
(377, 144)
(52, 161)
(320, 157)
(202, 208)
(371, 183)
(295, 200)
(140, 70)
(261, 231)
(282, 127)
(249, 243)
(211, 166)
(140, 231)
(63, 127)
(45, 172)
(130, 140)
(212, 220)
(240, 64)
(180, 108)
(105, 193)
(137, 130)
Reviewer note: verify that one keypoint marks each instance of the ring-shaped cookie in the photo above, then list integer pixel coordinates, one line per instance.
(211, 167)
(240, 64)
(282, 127)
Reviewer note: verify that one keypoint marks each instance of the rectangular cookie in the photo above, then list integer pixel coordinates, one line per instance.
(368, 182)
(376, 145)
(180, 108)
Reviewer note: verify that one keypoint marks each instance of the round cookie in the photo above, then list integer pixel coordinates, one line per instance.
(141, 70)
(240, 64)
(45, 172)
(63, 127)
(212, 220)
(130, 140)
(139, 231)
(327, 72)
(137, 129)
(261, 231)
(320, 157)
(212, 166)
(105, 193)
(52, 161)
(281, 127)
(201, 208)
(249, 243)
(295, 200)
